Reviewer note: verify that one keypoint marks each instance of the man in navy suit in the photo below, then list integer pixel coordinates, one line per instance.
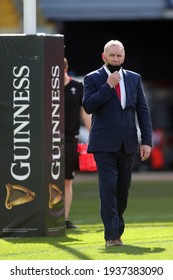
(113, 135)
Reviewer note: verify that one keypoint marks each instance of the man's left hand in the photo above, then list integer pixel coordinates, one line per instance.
(145, 152)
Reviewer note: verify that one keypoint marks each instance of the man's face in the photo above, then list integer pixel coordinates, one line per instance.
(114, 55)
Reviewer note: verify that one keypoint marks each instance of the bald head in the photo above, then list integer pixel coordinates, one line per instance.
(113, 43)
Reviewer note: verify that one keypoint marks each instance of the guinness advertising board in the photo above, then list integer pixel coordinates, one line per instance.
(31, 135)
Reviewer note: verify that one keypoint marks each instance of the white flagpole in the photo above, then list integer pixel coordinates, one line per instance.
(29, 16)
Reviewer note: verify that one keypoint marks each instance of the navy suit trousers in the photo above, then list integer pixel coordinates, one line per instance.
(114, 175)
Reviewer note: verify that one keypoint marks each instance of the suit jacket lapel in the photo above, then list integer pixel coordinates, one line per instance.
(127, 83)
(103, 74)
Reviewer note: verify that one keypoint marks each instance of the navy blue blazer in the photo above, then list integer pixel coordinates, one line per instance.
(112, 125)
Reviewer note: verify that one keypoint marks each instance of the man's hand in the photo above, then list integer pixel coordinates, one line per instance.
(145, 152)
(114, 79)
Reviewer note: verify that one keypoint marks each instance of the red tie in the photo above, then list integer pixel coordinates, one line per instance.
(117, 87)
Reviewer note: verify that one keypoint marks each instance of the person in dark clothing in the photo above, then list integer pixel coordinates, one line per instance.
(73, 114)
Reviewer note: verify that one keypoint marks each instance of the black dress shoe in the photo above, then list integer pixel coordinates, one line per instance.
(69, 224)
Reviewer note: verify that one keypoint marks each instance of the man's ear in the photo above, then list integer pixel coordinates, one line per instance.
(103, 57)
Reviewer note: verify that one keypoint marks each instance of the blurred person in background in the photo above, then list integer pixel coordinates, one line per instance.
(157, 158)
(74, 112)
(113, 135)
